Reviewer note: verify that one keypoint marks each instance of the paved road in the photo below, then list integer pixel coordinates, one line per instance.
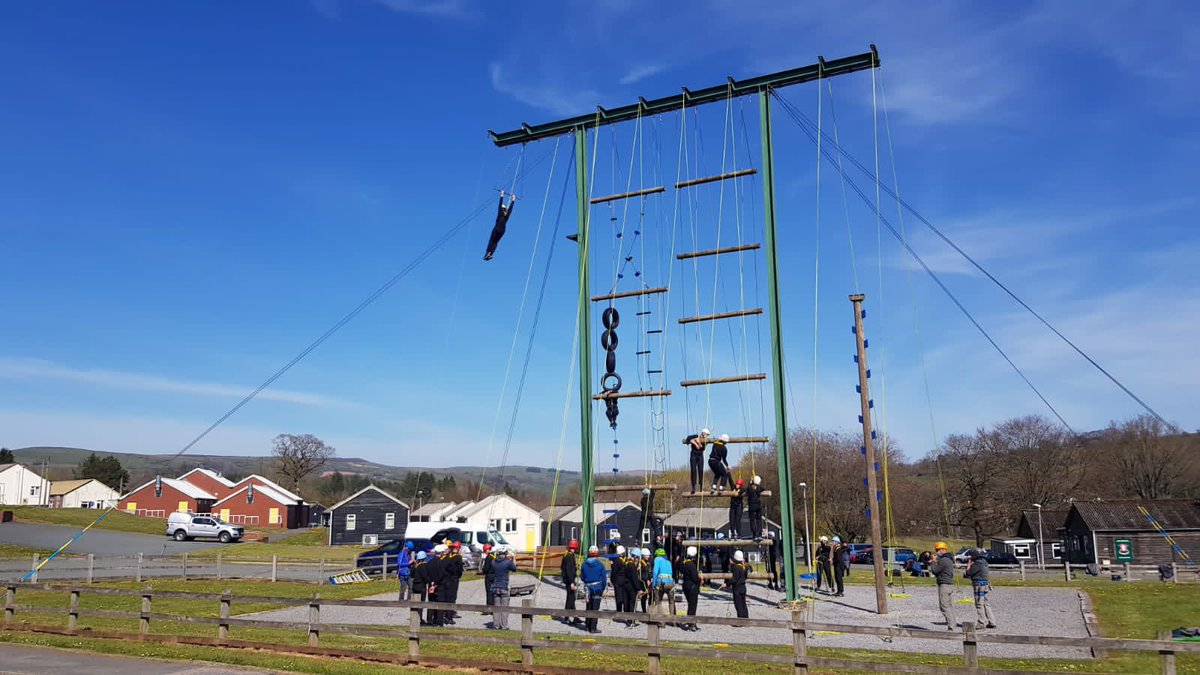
(44, 660)
(100, 542)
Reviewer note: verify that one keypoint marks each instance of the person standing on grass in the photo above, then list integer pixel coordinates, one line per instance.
(593, 574)
(943, 572)
(454, 571)
(435, 572)
(977, 572)
(502, 567)
(664, 581)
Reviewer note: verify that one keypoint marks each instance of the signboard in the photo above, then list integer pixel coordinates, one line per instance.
(1123, 549)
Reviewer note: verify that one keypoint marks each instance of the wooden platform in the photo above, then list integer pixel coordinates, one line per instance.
(723, 493)
(728, 543)
(713, 179)
(633, 488)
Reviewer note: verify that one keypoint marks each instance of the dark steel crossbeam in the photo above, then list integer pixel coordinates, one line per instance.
(688, 98)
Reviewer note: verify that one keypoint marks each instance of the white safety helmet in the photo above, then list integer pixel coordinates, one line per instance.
(646, 553)
(593, 550)
(724, 438)
(824, 538)
(758, 480)
(691, 550)
(645, 491)
(738, 556)
(440, 548)
(705, 432)
(620, 550)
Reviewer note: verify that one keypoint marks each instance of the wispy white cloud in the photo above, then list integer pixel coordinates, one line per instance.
(454, 9)
(639, 73)
(37, 369)
(557, 98)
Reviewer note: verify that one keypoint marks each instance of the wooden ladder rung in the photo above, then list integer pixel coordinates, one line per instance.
(717, 251)
(630, 394)
(749, 439)
(723, 493)
(723, 380)
(734, 543)
(723, 315)
(634, 488)
(627, 195)
(713, 179)
(758, 576)
(629, 294)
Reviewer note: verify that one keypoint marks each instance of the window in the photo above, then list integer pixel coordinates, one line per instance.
(483, 538)
(494, 524)
(33, 491)
(1021, 550)
(510, 525)
(351, 521)
(389, 521)
(1055, 550)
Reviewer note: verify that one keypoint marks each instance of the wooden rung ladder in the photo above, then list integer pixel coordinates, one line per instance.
(723, 315)
(633, 488)
(629, 294)
(723, 380)
(630, 394)
(627, 195)
(713, 179)
(717, 251)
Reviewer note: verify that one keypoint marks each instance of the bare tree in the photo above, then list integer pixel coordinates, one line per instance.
(971, 469)
(298, 456)
(1040, 462)
(1152, 460)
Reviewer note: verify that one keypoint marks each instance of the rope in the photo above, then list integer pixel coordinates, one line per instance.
(816, 322)
(798, 117)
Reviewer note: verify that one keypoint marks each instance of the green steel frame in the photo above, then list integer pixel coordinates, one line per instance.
(579, 126)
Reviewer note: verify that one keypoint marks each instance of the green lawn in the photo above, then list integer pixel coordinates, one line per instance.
(81, 518)
(14, 551)
(306, 546)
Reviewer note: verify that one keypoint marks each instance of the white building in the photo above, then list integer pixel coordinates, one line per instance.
(88, 493)
(21, 487)
(432, 512)
(520, 525)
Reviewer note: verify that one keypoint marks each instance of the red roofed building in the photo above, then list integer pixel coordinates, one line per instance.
(162, 496)
(261, 506)
(209, 481)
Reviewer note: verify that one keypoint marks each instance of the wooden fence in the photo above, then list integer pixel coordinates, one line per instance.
(653, 649)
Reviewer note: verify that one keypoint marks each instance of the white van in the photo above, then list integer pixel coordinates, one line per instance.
(460, 532)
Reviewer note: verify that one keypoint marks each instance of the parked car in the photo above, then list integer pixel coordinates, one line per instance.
(388, 553)
(185, 526)
(963, 555)
(998, 558)
(856, 550)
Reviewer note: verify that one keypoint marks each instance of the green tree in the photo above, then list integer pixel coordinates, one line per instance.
(6, 456)
(107, 470)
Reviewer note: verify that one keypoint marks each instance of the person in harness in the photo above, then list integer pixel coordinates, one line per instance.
(502, 214)
(696, 443)
(718, 462)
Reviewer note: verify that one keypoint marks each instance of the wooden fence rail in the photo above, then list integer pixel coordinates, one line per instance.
(653, 649)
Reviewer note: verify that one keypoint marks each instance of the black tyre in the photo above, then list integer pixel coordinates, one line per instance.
(608, 340)
(224, 537)
(610, 361)
(610, 318)
(180, 535)
(604, 382)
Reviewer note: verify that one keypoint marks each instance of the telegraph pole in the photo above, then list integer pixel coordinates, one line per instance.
(864, 374)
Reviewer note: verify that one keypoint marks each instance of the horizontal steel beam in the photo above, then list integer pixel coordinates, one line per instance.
(688, 98)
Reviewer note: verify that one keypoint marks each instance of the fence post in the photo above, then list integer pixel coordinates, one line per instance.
(414, 637)
(219, 555)
(144, 621)
(139, 569)
(527, 632)
(223, 627)
(185, 565)
(1174, 573)
(37, 557)
(653, 656)
(1166, 656)
(314, 620)
(274, 567)
(970, 647)
(10, 612)
(91, 566)
(1067, 569)
(321, 572)
(73, 611)
(1127, 572)
(1022, 563)
(799, 644)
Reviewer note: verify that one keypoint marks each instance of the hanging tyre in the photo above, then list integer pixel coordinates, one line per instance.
(608, 340)
(604, 382)
(610, 317)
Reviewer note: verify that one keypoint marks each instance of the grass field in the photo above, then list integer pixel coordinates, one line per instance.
(81, 518)
(14, 551)
(1125, 610)
(306, 546)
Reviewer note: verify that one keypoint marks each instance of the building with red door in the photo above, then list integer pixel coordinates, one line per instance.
(210, 481)
(163, 496)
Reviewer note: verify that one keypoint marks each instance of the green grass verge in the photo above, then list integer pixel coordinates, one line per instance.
(14, 551)
(81, 518)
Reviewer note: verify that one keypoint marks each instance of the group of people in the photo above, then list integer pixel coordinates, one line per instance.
(640, 579)
(833, 565)
(432, 577)
(976, 572)
(718, 460)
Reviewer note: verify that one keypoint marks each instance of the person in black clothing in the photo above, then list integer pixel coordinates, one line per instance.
(420, 581)
(645, 578)
(737, 584)
(735, 509)
(489, 577)
(454, 572)
(502, 214)
(570, 573)
(696, 443)
(773, 563)
(824, 556)
(435, 575)
(622, 588)
(689, 575)
(718, 461)
(754, 505)
(647, 518)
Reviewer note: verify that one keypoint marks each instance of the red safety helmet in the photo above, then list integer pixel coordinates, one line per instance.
(573, 545)
(740, 483)
(487, 547)
(457, 545)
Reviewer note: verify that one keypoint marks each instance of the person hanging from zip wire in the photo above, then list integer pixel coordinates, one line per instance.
(502, 214)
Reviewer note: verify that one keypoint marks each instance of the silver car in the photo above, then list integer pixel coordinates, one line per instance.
(185, 526)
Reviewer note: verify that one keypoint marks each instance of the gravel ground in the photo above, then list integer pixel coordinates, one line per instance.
(1019, 611)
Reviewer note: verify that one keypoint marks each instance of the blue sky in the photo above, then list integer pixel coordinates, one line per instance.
(192, 192)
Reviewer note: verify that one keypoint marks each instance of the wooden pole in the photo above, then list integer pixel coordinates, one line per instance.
(654, 663)
(414, 634)
(275, 568)
(219, 554)
(869, 454)
(970, 647)
(144, 619)
(527, 632)
(799, 643)
(185, 565)
(223, 627)
(37, 557)
(314, 621)
(139, 568)
(1166, 656)
(73, 611)
(10, 596)
(91, 566)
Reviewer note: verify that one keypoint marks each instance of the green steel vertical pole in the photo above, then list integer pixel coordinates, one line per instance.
(787, 528)
(588, 526)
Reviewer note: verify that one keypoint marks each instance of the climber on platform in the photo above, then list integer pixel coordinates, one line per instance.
(502, 214)
(735, 509)
(754, 505)
(696, 443)
(718, 462)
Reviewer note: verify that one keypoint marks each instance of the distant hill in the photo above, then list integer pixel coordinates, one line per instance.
(144, 467)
